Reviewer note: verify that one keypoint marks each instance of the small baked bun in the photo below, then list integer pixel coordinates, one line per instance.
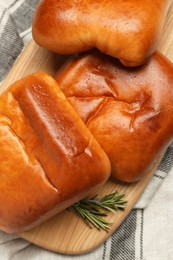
(128, 30)
(48, 158)
(129, 111)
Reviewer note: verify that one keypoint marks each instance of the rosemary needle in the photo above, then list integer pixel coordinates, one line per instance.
(92, 210)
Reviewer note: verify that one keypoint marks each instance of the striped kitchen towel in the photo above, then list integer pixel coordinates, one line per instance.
(147, 233)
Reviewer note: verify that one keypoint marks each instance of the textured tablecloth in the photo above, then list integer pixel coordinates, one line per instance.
(147, 233)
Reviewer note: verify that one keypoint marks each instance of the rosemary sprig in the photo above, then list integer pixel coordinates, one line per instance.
(92, 210)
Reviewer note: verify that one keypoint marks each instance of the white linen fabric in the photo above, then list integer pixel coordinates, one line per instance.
(147, 233)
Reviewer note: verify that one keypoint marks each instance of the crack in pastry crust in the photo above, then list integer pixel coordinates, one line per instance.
(129, 111)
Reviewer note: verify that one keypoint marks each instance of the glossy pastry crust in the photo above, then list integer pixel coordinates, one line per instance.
(48, 157)
(129, 111)
(125, 29)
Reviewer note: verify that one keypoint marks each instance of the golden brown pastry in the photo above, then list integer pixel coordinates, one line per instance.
(48, 157)
(125, 29)
(129, 111)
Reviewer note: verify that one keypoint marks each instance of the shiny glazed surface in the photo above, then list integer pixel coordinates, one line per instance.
(48, 157)
(129, 111)
(125, 29)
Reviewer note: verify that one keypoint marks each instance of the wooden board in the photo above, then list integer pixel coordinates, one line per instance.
(66, 233)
